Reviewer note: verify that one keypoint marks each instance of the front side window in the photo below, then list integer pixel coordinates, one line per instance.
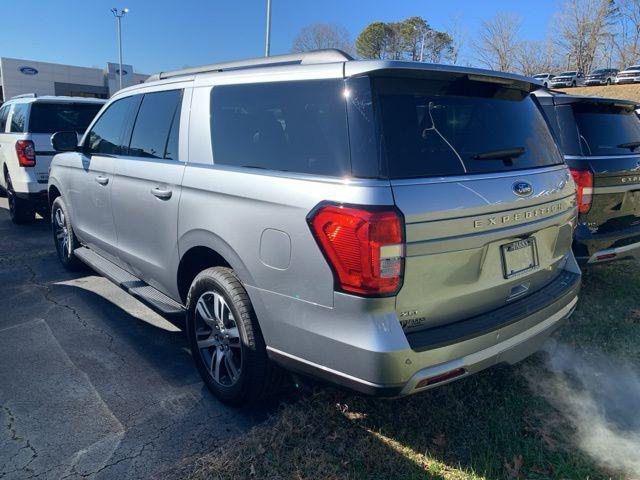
(153, 134)
(459, 126)
(607, 129)
(61, 117)
(284, 126)
(107, 136)
(19, 118)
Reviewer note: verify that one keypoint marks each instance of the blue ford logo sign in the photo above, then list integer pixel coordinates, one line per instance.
(28, 70)
(522, 189)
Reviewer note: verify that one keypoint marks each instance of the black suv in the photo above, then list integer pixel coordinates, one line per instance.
(600, 140)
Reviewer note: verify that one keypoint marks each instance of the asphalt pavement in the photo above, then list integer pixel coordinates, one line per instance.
(93, 384)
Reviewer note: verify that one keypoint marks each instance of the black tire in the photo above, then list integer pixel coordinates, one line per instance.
(608, 82)
(61, 226)
(20, 210)
(257, 378)
(573, 84)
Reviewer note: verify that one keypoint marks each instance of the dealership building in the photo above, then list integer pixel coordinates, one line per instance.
(42, 78)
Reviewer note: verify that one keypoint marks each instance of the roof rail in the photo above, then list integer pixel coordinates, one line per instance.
(315, 56)
(25, 95)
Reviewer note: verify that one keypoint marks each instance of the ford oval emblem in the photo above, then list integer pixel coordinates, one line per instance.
(28, 70)
(522, 189)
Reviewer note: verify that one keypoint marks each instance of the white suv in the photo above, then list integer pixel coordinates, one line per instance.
(26, 125)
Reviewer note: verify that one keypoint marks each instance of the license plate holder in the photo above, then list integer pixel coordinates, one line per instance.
(519, 257)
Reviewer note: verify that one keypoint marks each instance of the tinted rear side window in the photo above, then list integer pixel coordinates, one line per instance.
(61, 117)
(19, 118)
(107, 136)
(437, 128)
(607, 129)
(563, 124)
(4, 114)
(153, 124)
(286, 126)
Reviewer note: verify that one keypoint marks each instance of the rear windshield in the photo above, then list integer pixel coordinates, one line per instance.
(433, 128)
(607, 129)
(61, 117)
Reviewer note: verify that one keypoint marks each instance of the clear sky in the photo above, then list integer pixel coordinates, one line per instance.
(168, 34)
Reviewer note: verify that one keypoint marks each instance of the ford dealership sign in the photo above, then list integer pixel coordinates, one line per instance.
(28, 70)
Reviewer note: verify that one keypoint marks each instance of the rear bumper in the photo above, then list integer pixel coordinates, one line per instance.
(384, 362)
(38, 199)
(592, 248)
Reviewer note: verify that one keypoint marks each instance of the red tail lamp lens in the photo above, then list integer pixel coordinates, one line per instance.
(584, 184)
(26, 153)
(364, 247)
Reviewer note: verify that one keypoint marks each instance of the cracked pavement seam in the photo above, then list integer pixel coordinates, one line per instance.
(13, 434)
(46, 293)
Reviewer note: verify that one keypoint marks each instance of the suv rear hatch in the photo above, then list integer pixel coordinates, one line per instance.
(487, 201)
(606, 144)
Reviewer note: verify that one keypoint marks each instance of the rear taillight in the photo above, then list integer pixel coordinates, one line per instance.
(584, 185)
(26, 153)
(363, 245)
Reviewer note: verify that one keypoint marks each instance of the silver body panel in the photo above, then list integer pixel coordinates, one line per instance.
(256, 220)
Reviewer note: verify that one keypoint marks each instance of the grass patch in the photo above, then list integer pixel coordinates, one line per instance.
(628, 92)
(490, 426)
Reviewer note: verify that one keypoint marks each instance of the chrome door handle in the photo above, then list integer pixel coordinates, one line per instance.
(161, 194)
(102, 180)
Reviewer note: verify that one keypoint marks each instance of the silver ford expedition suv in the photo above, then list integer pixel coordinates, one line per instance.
(386, 226)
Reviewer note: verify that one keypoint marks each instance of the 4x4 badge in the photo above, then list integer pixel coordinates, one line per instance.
(522, 188)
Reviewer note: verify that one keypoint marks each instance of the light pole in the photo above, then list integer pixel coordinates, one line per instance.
(119, 14)
(267, 43)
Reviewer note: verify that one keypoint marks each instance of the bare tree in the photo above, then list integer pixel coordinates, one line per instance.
(582, 30)
(627, 35)
(497, 40)
(535, 56)
(322, 35)
(458, 36)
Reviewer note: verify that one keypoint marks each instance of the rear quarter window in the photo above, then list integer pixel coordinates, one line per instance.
(19, 118)
(296, 126)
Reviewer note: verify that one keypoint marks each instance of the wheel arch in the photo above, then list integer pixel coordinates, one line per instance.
(199, 250)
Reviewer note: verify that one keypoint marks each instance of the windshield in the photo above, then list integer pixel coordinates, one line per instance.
(607, 129)
(451, 127)
(61, 117)
(634, 67)
(567, 74)
(541, 75)
(599, 72)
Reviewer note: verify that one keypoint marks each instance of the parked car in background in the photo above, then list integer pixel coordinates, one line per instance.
(567, 79)
(600, 139)
(601, 76)
(220, 191)
(545, 78)
(26, 125)
(629, 75)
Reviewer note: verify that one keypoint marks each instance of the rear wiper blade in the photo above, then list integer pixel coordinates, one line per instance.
(495, 154)
(629, 145)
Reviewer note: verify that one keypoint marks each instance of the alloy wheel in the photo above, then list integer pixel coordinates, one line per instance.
(218, 338)
(62, 232)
